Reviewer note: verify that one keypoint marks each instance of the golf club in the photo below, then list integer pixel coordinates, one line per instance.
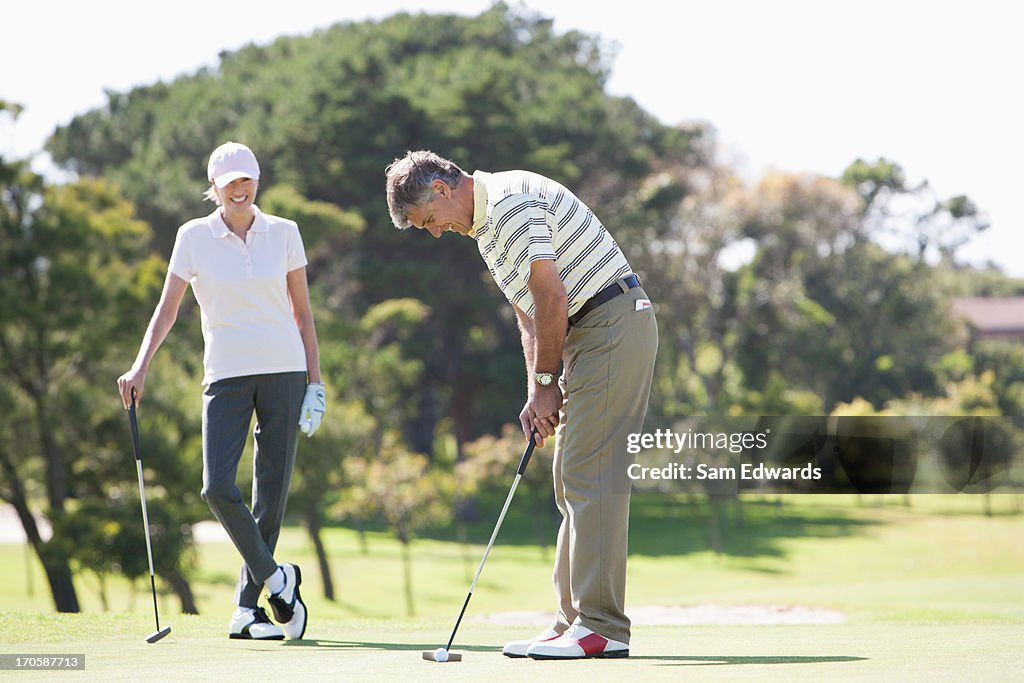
(443, 654)
(133, 422)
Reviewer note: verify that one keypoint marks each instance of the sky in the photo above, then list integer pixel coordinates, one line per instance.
(791, 85)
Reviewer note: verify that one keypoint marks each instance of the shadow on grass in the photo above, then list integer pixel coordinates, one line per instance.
(743, 529)
(665, 525)
(679, 524)
(660, 660)
(407, 647)
(711, 660)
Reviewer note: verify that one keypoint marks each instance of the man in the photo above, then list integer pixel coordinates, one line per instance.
(578, 305)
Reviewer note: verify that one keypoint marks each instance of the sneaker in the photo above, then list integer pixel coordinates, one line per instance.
(253, 624)
(518, 648)
(579, 642)
(289, 610)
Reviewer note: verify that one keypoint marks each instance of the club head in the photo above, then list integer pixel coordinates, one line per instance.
(157, 635)
(452, 657)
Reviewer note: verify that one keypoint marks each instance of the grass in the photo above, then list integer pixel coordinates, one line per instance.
(375, 650)
(931, 591)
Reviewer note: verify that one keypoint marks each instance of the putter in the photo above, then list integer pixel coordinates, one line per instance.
(133, 422)
(444, 654)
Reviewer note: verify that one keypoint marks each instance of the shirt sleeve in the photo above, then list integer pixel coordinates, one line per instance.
(541, 244)
(182, 263)
(296, 250)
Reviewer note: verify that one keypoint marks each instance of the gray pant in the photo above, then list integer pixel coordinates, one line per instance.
(228, 406)
(608, 365)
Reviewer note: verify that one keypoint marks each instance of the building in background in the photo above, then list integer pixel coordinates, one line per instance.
(992, 317)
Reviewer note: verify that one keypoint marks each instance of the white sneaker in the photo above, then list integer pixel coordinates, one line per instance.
(289, 610)
(253, 624)
(518, 648)
(579, 642)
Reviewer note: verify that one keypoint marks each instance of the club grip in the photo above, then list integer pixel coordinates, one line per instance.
(134, 424)
(527, 453)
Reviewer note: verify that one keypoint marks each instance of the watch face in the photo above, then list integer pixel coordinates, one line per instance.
(544, 378)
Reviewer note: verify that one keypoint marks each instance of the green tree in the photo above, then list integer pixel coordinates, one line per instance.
(490, 466)
(326, 113)
(688, 228)
(405, 491)
(73, 262)
(320, 476)
(827, 310)
(913, 217)
(75, 274)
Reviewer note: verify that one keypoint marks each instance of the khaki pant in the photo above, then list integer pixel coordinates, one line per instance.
(608, 367)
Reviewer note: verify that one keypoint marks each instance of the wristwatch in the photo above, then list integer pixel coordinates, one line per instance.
(544, 378)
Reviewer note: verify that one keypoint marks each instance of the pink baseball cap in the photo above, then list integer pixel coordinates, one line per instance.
(231, 161)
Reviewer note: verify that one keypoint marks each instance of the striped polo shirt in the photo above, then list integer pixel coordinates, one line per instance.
(520, 217)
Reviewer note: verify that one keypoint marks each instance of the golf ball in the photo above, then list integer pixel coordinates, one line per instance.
(304, 426)
(441, 654)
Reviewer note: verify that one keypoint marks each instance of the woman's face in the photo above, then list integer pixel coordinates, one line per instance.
(238, 195)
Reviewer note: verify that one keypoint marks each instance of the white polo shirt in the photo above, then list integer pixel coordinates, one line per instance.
(242, 290)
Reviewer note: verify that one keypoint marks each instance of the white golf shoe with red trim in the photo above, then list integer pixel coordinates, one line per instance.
(518, 648)
(579, 642)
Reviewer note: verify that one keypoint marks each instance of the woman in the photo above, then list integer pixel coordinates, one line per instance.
(248, 273)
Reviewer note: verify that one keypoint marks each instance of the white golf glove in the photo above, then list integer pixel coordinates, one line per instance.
(314, 405)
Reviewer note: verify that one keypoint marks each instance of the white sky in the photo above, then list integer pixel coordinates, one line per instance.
(796, 85)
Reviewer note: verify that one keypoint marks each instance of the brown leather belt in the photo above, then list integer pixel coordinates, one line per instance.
(604, 296)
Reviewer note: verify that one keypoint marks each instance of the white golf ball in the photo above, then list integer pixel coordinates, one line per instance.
(305, 426)
(441, 655)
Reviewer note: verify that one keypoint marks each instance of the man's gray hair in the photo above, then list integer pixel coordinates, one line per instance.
(410, 179)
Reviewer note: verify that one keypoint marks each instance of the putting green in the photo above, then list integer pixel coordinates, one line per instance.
(370, 650)
(929, 592)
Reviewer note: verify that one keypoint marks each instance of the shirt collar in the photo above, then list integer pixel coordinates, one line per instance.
(219, 229)
(479, 201)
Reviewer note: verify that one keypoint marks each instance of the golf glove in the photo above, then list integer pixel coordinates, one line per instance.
(314, 405)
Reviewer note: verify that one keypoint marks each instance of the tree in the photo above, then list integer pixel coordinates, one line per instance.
(72, 258)
(688, 228)
(402, 489)
(490, 465)
(913, 217)
(370, 380)
(320, 475)
(76, 274)
(326, 113)
(827, 310)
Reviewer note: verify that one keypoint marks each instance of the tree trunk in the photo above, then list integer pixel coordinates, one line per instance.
(180, 585)
(58, 572)
(714, 523)
(741, 520)
(314, 527)
(364, 546)
(410, 610)
(103, 592)
(460, 537)
(420, 430)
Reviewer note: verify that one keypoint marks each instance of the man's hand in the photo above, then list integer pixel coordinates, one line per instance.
(540, 413)
(314, 405)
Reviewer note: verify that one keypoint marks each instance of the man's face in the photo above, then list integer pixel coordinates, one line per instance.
(442, 213)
